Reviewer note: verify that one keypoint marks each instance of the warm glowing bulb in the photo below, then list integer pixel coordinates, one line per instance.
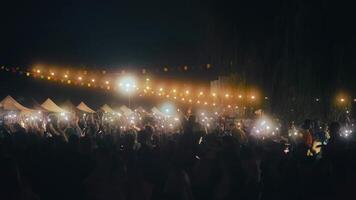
(214, 94)
(201, 93)
(65, 76)
(52, 73)
(253, 97)
(174, 90)
(38, 71)
(80, 78)
(240, 96)
(107, 82)
(161, 89)
(187, 91)
(93, 80)
(342, 99)
(227, 95)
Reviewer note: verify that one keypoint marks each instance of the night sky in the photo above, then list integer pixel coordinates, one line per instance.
(297, 49)
(113, 33)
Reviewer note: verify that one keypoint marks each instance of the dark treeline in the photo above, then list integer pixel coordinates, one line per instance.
(294, 50)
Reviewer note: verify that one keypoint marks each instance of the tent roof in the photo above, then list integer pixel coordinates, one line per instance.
(156, 111)
(69, 106)
(9, 103)
(140, 109)
(83, 107)
(107, 108)
(125, 110)
(50, 106)
(37, 106)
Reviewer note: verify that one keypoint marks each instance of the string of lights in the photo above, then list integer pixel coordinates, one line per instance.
(144, 86)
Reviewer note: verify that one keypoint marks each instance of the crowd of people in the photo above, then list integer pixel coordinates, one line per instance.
(84, 158)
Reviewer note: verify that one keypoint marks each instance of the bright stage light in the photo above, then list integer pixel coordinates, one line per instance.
(168, 109)
(345, 131)
(127, 84)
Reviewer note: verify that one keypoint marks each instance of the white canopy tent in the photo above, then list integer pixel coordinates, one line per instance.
(140, 109)
(157, 111)
(50, 106)
(83, 107)
(126, 111)
(107, 108)
(10, 104)
(37, 106)
(69, 106)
